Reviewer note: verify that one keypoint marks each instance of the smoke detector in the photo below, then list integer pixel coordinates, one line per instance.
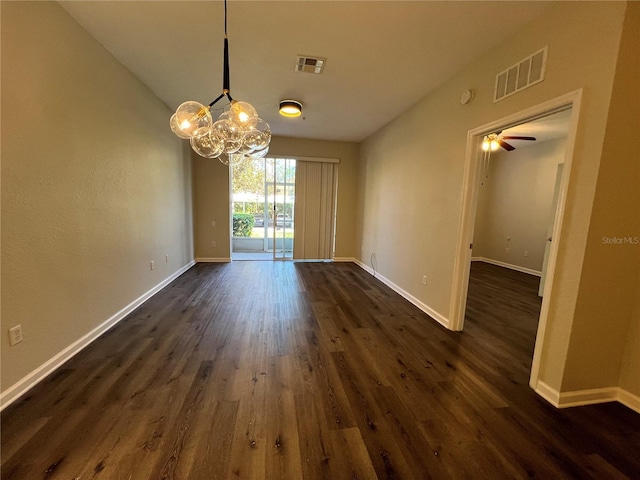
(309, 64)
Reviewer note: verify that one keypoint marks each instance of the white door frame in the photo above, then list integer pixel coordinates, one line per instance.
(473, 165)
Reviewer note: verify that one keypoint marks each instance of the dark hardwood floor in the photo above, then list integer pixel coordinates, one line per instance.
(262, 370)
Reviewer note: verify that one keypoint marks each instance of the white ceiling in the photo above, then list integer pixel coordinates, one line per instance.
(382, 56)
(543, 129)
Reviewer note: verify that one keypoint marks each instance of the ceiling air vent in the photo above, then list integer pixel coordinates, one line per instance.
(521, 75)
(310, 64)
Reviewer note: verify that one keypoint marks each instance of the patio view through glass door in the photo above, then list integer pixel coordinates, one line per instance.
(263, 209)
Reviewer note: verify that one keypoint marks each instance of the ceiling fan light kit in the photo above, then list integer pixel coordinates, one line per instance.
(238, 133)
(290, 108)
(489, 143)
(493, 141)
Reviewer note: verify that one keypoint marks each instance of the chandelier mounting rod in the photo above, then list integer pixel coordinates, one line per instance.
(226, 86)
(237, 135)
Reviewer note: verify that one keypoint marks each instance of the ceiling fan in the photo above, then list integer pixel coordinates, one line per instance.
(494, 141)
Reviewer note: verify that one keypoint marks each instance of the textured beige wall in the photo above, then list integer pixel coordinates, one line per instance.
(605, 320)
(412, 170)
(515, 204)
(94, 186)
(211, 203)
(629, 376)
(211, 194)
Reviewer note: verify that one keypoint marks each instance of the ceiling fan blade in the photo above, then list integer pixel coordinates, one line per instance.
(518, 138)
(506, 146)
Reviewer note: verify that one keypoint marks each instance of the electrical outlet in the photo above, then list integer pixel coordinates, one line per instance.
(166, 258)
(506, 250)
(424, 279)
(213, 244)
(213, 224)
(151, 265)
(15, 335)
(526, 253)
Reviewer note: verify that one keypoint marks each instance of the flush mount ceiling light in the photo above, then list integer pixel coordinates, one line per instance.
(237, 135)
(290, 108)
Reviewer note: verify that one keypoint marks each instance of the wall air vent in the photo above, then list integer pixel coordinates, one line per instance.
(521, 75)
(310, 64)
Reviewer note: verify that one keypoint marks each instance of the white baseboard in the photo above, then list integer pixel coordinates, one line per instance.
(549, 394)
(587, 397)
(365, 267)
(441, 319)
(344, 259)
(213, 260)
(629, 399)
(21, 387)
(507, 265)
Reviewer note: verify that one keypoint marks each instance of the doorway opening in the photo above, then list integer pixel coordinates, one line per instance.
(476, 167)
(518, 194)
(263, 205)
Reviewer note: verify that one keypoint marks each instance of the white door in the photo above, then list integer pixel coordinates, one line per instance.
(552, 218)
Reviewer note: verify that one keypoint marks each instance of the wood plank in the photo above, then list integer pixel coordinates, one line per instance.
(353, 461)
(385, 454)
(255, 370)
(283, 460)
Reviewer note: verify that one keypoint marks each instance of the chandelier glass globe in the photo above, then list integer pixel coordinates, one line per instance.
(241, 113)
(190, 116)
(207, 143)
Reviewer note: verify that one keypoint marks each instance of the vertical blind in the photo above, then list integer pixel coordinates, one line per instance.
(314, 228)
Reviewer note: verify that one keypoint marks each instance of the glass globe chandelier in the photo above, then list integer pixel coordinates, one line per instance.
(237, 134)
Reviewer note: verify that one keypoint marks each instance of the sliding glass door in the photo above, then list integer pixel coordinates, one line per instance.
(264, 198)
(283, 196)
